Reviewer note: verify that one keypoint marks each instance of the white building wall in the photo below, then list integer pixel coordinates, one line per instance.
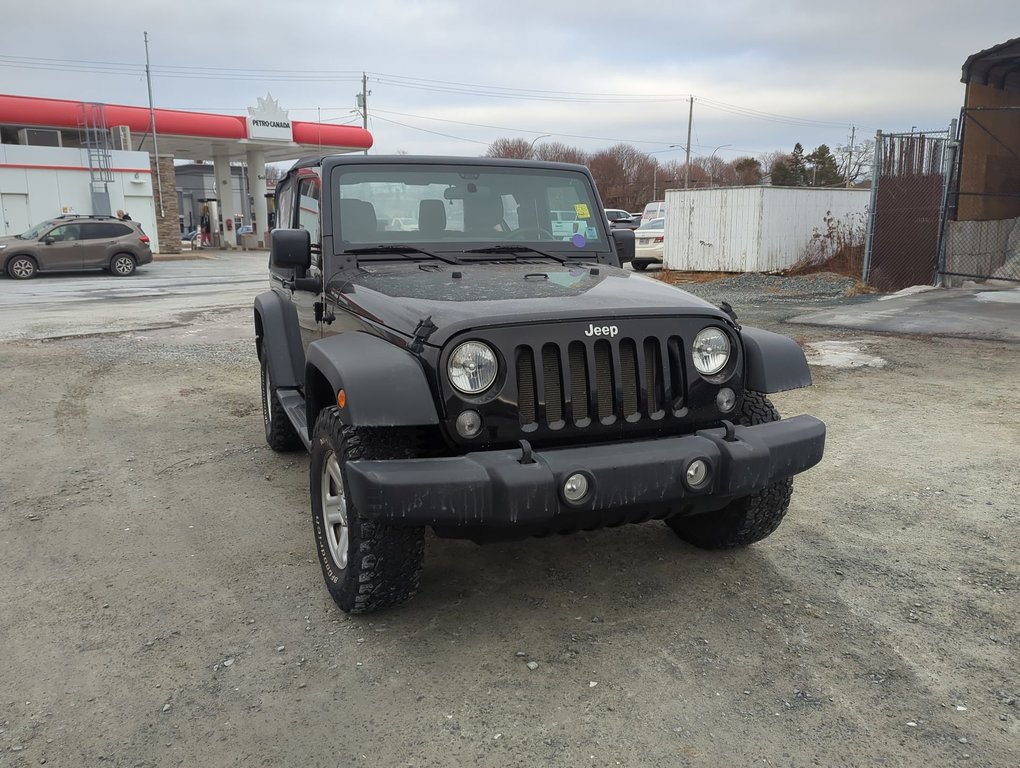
(56, 181)
(712, 230)
(754, 229)
(797, 221)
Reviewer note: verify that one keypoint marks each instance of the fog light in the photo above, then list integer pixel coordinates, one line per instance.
(697, 472)
(726, 399)
(469, 424)
(576, 487)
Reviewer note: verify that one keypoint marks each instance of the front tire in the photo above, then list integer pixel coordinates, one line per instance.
(367, 564)
(748, 519)
(280, 433)
(22, 267)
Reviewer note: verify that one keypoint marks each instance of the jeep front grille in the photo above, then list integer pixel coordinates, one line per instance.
(600, 381)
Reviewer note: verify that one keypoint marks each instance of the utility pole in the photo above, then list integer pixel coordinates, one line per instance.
(850, 154)
(152, 128)
(362, 102)
(687, 152)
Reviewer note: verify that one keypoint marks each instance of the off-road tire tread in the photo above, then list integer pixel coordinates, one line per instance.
(280, 433)
(748, 519)
(385, 562)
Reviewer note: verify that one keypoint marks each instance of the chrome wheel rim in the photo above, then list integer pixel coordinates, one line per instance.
(22, 268)
(123, 265)
(334, 511)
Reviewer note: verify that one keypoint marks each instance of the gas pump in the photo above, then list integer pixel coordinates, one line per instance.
(214, 223)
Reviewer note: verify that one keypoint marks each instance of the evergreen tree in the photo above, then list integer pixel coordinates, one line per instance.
(798, 167)
(822, 168)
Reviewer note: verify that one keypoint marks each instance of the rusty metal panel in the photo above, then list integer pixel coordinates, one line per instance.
(910, 179)
(981, 215)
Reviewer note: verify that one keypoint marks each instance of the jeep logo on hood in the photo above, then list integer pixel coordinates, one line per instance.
(601, 330)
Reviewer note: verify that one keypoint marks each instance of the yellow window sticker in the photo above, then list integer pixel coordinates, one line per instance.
(582, 211)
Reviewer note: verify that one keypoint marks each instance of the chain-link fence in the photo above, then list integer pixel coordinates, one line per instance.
(982, 215)
(907, 199)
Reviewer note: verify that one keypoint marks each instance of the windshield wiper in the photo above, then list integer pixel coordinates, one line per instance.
(518, 249)
(405, 250)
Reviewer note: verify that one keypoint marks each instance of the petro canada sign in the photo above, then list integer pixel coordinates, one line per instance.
(268, 122)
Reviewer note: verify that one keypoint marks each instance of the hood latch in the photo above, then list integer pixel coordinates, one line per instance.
(422, 331)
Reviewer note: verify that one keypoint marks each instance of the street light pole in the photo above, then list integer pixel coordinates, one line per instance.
(711, 158)
(531, 146)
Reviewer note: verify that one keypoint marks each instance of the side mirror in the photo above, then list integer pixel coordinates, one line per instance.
(290, 249)
(624, 239)
(49, 240)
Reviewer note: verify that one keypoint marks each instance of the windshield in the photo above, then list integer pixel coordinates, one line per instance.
(463, 204)
(653, 224)
(36, 232)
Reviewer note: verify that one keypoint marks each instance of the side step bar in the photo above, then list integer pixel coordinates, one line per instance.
(294, 404)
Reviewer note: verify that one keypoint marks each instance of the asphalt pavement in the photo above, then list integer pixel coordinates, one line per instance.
(158, 295)
(978, 312)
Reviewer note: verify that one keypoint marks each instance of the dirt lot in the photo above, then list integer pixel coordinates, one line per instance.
(162, 604)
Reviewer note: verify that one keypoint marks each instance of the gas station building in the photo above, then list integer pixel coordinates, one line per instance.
(59, 156)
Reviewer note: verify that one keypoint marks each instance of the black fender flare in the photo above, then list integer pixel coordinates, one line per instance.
(774, 363)
(385, 385)
(278, 335)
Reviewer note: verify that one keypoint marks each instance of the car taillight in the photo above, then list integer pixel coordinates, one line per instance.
(658, 239)
(144, 239)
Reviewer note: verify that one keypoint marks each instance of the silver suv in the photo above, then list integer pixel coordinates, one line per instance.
(72, 243)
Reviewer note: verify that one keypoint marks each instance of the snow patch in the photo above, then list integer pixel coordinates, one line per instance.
(1000, 297)
(908, 291)
(842, 354)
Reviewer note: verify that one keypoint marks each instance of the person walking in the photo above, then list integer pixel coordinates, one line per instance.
(123, 216)
(205, 227)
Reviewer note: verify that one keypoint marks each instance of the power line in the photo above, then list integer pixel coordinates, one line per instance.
(248, 74)
(425, 130)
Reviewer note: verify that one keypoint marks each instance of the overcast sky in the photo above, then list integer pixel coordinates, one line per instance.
(589, 73)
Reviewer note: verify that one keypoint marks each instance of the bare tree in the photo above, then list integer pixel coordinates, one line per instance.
(747, 171)
(624, 175)
(859, 161)
(557, 152)
(519, 149)
(776, 162)
(610, 177)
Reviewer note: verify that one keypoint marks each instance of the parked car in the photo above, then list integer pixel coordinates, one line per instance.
(247, 229)
(621, 219)
(654, 210)
(649, 240)
(72, 243)
(403, 224)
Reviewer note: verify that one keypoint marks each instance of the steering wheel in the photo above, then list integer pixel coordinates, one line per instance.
(523, 232)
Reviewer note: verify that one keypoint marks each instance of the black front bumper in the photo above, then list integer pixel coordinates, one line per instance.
(495, 489)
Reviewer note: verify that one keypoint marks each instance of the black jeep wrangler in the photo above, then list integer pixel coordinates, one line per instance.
(455, 343)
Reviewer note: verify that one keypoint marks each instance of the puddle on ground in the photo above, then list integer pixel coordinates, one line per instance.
(842, 354)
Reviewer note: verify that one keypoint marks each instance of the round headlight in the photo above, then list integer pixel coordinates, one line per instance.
(711, 350)
(472, 367)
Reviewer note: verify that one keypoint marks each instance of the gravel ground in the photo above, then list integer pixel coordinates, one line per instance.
(163, 605)
(756, 288)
